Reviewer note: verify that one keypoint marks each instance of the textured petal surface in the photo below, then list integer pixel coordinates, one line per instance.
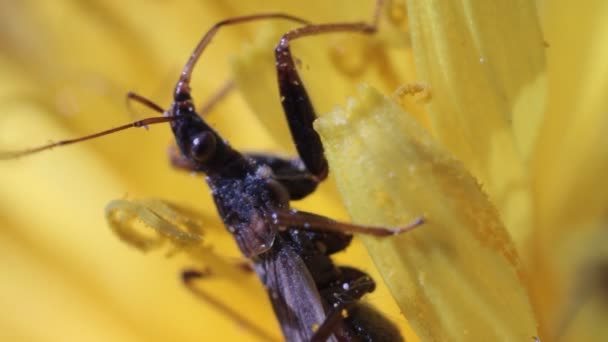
(456, 278)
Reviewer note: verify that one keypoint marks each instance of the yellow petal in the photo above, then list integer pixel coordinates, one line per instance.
(327, 69)
(31, 292)
(457, 277)
(581, 271)
(329, 64)
(255, 76)
(484, 63)
(48, 200)
(571, 161)
(68, 67)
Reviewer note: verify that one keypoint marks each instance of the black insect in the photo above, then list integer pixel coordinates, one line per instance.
(313, 299)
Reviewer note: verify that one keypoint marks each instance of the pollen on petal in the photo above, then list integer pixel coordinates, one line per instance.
(457, 277)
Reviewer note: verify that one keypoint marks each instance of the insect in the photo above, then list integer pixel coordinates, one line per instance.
(289, 249)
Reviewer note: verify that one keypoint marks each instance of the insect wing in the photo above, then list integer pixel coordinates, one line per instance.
(293, 293)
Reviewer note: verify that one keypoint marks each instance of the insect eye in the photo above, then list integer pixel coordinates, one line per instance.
(203, 147)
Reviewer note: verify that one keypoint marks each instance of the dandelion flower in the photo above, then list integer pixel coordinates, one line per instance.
(500, 149)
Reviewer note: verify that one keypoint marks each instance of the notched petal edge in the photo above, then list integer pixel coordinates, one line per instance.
(459, 276)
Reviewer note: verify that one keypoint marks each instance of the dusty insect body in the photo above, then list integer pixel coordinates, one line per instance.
(313, 299)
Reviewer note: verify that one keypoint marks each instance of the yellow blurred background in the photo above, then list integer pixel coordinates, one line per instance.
(65, 67)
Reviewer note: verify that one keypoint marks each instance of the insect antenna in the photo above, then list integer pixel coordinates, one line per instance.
(183, 85)
(132, 96)
(5, 155)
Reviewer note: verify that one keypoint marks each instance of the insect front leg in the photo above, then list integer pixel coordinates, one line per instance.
(290, 172)
(300, 114)
(296, 103)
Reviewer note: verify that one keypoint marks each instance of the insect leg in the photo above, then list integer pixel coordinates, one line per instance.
(183, 85)
(295, 100)
(341, 295)
(351, 285)
(364, 322)
(328, 327)
(189, 277)
(308, 221)
(290, 172)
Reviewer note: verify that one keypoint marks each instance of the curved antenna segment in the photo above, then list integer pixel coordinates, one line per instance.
(184, 79)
